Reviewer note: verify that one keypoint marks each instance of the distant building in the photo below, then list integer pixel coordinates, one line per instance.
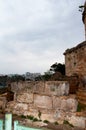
(31, 76)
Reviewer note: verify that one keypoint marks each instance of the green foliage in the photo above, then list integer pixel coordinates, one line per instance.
(81, 107)
(30, 117)
(35, 119)
(22, 116)
(58, 67)
(56, 123)
(47, 75)
(67, 123)
(46, 121)
(14, 78)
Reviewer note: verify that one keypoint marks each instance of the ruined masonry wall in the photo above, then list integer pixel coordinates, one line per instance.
(76, 61)
(50, 98)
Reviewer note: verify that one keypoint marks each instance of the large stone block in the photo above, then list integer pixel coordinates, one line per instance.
(58, 88)
(72, 104)
(42, 101)
(39, 87)
(17, 107)
(59, 116)
(21, 107)
(25, 98)
(48, 117)
(65, 103)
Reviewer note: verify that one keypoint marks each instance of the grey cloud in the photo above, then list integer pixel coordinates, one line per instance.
(37, 32)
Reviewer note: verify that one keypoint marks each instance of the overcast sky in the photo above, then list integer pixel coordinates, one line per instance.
(35, 33)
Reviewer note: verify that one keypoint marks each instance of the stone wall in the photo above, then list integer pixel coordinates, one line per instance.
(81, 95)
(50, 98)
(75, 60)
(50, 88)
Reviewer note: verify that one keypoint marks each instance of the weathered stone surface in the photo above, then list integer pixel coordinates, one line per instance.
(39, 87)
(65, 103)
(72, 104)
(75, 60)
(17, 108)
(48, 117)
(42, 101)
(52, 126)
(57, 88)
(56, 102)
(77, 121)
(28, 86)
(10, 106)
(25, 98)
(59, 116)
(30, 123)
(52, 99)
(39, 124)
(17, 86)
(3, 102)
(21, 107)
(81, 95)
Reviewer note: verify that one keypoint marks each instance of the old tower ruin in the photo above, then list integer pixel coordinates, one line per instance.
(75, 63)
(75, 58)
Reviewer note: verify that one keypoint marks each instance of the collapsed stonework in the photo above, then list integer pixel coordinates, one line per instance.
(50, 98)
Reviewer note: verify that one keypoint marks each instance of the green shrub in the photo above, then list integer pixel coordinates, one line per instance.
(56, 123)
(66, 122)
(22, 116)
(40, 120)
(46, 121)
(35, 119)
(30, 117)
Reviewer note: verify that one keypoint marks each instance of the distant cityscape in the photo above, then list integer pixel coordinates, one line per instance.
(4, 79)
(27, 75)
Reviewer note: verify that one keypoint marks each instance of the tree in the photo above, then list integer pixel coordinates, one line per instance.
(47, 75)
(58, 67)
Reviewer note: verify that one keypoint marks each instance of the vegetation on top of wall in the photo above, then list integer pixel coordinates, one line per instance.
(54, 68)
(58, 67)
